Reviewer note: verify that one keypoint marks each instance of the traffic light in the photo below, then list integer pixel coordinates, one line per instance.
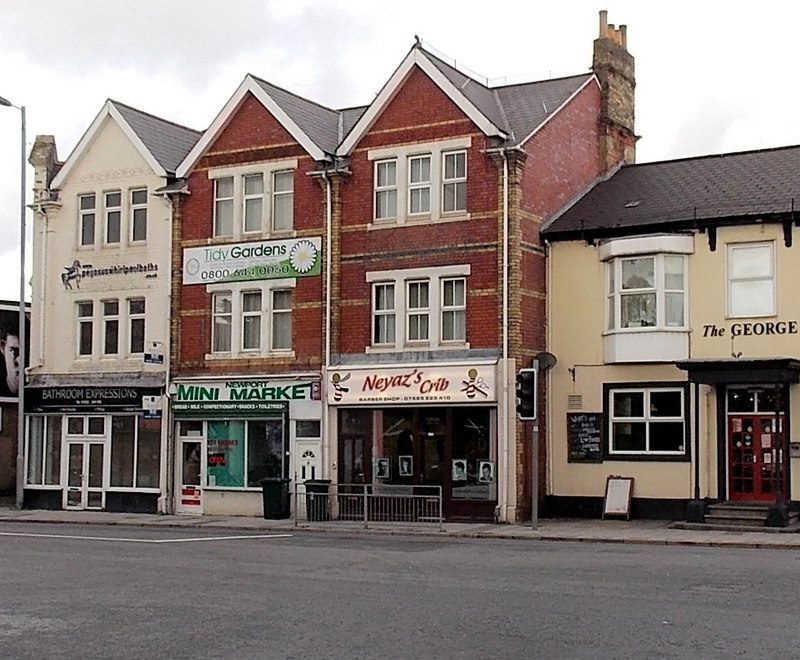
(526, 393)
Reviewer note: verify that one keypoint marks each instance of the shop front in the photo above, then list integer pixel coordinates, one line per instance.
(426, 425)
(94, 447)
(233, 434)
(753, 417)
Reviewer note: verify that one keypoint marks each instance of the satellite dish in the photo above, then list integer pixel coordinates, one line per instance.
(546, 360)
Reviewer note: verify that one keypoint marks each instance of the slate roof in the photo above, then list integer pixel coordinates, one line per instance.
(518, 109)
(319, 123)
(166, 141)
(699, 191)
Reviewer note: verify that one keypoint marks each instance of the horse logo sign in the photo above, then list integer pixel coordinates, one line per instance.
(72, 274)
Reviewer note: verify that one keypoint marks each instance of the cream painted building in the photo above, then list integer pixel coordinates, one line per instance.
(674, 315)
(100, 315)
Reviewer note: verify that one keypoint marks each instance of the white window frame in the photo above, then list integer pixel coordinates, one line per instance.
(403, 156)
(646, 418)
(136, 317)
(84, 320)
(286, 224)
(769, 301)
(236, 291)
(110, 208)
(458, 309)
(453, 183)
(400, 280)
(419, 184)
(137, 208)
(385, 317)
(418, 311)
(615, 294)
(269, 172)
(385, 190)
(83, 217)
(110, 317)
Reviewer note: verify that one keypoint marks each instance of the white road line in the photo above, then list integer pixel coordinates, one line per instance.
(127, 540)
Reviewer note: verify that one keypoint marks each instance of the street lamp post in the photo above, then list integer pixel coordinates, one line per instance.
(22, 340)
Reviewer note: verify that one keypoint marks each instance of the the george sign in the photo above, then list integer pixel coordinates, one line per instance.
(757, 329)
(84, 399)
(258, 260)
(584, 435)
(469, 383)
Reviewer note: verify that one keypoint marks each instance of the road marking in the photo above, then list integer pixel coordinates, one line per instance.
(127, 540)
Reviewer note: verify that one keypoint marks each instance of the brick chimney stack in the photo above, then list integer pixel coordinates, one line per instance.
(613, 66)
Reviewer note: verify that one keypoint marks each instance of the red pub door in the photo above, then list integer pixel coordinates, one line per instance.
(755, 456)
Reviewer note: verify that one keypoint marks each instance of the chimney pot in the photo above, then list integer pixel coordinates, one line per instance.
(603, 23)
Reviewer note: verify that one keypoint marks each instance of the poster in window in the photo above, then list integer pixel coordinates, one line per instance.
(405, 466)
(9, 351)
(485, 472)
(382, 468)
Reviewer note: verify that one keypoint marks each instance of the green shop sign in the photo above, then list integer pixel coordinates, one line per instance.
(240, 398)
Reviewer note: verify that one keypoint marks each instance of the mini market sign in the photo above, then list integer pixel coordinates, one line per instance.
(240, 398)
(258, 260)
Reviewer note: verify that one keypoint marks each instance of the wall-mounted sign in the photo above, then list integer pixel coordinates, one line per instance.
(748, 329)
(154, 353)
(258, 260)
(240, 397)
(82, 398)
(470, 383)
(75, 273)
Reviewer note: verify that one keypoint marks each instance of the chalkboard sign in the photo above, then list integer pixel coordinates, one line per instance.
(584, 434)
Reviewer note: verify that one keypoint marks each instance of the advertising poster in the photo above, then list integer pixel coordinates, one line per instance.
(9, 351)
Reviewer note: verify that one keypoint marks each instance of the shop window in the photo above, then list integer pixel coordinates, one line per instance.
(44, 451)
(425, 307)
(247, 322)
(646, 422)
(472, 466)
(421, 182)
(135, 452)
(646, 292)
(254, 200)
(751, 279)
(241, 454)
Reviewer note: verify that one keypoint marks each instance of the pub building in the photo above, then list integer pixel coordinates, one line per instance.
(95, 400)
(425, 425)
(674, 316)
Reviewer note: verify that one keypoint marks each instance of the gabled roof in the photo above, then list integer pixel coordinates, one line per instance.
(730, 187)
(315, 127)
(510, 113)
(161, 143)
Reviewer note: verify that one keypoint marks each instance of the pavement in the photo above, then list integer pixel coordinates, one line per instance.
(648, 532)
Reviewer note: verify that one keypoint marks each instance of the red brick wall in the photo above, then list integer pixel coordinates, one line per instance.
(252, 135)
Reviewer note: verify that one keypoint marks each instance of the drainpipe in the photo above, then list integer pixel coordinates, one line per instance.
(326, 444)
(167, 435)
(504, 486)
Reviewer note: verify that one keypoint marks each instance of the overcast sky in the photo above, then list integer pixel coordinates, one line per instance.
(712, 77)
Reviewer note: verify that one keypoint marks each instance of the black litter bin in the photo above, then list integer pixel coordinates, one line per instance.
(317, 499)
(275, 492)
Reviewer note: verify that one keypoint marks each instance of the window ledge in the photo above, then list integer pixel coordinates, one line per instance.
(416, 348)
(416, 221)
(646, 345)
(249, 356)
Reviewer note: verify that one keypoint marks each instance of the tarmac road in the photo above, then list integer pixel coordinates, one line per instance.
(96, 591)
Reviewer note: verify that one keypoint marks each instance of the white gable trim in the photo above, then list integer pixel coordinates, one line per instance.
(249, 84)
(418, 58)
(559, 108)
(108, 110)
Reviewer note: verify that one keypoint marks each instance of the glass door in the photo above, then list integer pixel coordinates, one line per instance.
(85, 475)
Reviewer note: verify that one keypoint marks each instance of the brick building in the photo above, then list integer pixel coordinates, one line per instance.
(357, 288)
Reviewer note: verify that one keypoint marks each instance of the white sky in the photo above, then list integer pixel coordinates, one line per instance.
(712, 77)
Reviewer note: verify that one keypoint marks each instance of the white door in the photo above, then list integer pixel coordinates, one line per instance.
(84, 475)
(308, 460)
(189, 477)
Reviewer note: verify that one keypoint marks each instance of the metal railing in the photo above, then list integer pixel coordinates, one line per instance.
(368, 503)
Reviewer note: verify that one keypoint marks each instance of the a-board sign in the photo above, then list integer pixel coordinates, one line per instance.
(617, 501)
(584, 434)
